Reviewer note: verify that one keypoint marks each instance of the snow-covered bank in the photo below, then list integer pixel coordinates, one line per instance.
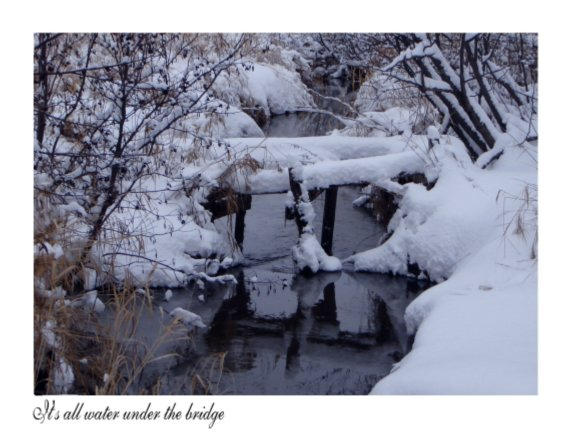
(269, 88)
(475, 333)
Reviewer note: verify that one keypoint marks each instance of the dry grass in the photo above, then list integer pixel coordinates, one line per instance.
(104, 351)
(522, 220)
(104, 355)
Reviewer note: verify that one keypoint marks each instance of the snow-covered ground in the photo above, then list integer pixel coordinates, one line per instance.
(476, 332)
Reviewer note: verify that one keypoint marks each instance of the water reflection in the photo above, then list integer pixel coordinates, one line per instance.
(279, 333)
(333, 333)
(301, 124)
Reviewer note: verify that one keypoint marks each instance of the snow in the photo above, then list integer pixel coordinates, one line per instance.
(56, 293)
(48, 334)
(188, 318)
(309, 253)
(393, 121)
(233, 123)
(46, 248)
(434, 228)
(475, 332)
(62, 376)
(390, 122)
(471, 340)
(91, 302)
(326, 161)
(287, 152)
(326, 173)
(472, 233)
(361, 201)
(381, 92)
(183, 240)
(269, 87)
(90, 279)
(168, 295)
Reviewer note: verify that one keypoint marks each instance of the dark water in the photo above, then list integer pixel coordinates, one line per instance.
(279, 333)
(269, 238)
(305, 124)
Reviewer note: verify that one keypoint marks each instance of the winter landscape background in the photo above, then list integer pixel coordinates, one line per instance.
(285, 213)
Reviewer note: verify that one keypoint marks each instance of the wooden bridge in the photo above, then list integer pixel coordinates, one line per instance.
(383, 165)
(222, 203)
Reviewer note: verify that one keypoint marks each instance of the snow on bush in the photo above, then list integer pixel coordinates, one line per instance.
(271, 49)
(381, 92)
(62, 376)
(393, 121)
(234, 123)
(183, 241)
(270, 88)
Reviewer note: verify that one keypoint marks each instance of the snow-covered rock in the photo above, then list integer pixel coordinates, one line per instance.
(188, 318)
(168, 295)
(90, 302)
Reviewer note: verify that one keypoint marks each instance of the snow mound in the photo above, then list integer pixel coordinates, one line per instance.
(436, 228)
(234, 123)
(309, 254)
(472, 340)
(271, 88)
(188, 318)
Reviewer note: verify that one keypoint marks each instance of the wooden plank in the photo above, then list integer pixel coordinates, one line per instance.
(311, 191)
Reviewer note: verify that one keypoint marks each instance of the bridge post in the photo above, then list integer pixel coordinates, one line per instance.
(328, 218)
(243, 202)
(239, 228)
(297, 194)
